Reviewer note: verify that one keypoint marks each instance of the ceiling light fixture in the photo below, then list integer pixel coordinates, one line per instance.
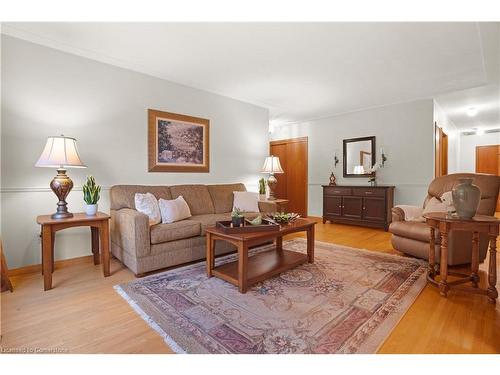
(472, 111)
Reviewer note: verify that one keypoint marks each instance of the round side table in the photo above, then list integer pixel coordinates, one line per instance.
(478, 224)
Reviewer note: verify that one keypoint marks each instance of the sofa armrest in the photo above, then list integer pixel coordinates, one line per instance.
(267, 206)
(130, 231)
(406, 213)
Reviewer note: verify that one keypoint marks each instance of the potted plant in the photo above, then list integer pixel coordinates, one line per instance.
(262, 189)
(91, 193)
(237, 217)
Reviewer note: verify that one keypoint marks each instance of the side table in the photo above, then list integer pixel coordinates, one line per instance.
(478, 224)
(281, 204)
(99, 228)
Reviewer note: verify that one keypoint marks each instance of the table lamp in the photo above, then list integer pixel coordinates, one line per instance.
(60, 152)
(272, 165)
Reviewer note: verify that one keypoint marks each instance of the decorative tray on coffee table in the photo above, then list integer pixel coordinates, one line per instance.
(266, 226)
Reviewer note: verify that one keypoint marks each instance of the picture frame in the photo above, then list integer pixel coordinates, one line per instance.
(178, 143)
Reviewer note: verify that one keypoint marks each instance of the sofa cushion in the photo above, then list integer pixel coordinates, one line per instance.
(210, 220)
(197, 197)
(175, 231)
(412, 229)
(222, 196)
(123, 196)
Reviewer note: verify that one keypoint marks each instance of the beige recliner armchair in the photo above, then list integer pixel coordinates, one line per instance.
(412, 237)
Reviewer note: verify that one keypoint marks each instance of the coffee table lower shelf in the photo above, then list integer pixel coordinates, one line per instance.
(261, 266)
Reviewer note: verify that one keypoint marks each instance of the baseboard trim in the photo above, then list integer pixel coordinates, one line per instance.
(37, 268)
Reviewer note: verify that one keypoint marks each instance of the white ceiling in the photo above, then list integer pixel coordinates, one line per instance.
(300, 71)
(485, 99)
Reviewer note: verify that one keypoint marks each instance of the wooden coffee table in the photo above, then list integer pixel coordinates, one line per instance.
(247, 271)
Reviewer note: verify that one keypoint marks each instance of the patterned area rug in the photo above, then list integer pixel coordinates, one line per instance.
(348, 301)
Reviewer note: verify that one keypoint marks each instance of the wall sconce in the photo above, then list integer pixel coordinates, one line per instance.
(335, 160)
(383, 156)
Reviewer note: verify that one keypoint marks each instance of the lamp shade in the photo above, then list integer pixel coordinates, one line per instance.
(359, 169)
(60, 152)
(272, 165)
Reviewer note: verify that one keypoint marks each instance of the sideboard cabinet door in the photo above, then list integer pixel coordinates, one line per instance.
(374, 208)
(332, 205)
(352, 207)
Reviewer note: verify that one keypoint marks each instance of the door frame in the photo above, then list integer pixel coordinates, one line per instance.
(297, 140)
(440, 151)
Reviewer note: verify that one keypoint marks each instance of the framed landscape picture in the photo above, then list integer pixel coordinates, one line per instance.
(177, 143)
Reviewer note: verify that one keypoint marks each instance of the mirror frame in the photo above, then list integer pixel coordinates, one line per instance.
(374, 156)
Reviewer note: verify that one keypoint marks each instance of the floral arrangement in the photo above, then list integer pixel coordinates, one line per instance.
(375, 167)
(282, 217)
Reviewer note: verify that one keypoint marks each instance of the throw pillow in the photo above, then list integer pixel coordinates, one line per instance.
(444, 204)
(246, 201)
(148, 204)
(174, 210)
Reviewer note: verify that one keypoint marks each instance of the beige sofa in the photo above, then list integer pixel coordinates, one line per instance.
(412, 237)
(143, 248)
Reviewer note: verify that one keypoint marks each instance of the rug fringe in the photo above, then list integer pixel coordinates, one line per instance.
(168, 340)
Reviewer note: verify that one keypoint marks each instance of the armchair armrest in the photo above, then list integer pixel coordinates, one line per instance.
(130, 231)
(406, 213)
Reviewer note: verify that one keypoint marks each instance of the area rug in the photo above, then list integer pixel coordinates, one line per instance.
(347, 301)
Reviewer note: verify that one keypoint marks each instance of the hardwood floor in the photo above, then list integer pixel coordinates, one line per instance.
(83, 313)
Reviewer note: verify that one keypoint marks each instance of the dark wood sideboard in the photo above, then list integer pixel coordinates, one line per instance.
(368, 206)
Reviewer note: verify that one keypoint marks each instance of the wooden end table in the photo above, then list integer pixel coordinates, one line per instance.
(99, 228)
(250, 270)
(478, 224)
(281, 204)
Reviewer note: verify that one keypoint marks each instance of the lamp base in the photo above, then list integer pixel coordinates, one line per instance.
(272, 182)
(61, 185)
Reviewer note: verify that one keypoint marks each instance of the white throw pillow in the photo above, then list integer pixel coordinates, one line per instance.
(444, 204)
(174, 210)
(246, 201)
(148, 204)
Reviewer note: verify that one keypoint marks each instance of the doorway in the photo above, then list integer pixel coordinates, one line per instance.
(488, 161)
(440, 152)
(292, 184)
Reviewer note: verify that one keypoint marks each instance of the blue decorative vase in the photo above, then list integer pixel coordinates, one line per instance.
(466, 198)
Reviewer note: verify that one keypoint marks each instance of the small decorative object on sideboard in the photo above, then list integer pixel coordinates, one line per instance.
(262, 188)
(333, 180)
(61, 152)
(237, 217)
(91, 196)
(466, 197)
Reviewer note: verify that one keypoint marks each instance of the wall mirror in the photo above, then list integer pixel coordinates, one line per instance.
(359, 156)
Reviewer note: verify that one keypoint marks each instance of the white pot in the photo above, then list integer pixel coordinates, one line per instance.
(91, 209)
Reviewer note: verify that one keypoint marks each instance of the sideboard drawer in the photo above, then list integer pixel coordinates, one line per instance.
(337, 190)
(367, 192)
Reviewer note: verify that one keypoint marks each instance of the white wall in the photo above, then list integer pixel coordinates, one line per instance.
(468, 145)
(450, 129)
(404, 130)
(48, 92)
